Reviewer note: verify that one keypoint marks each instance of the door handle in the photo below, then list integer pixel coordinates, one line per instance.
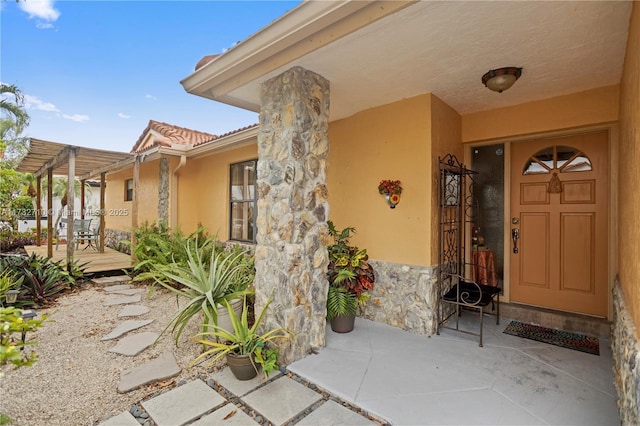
(515, 235)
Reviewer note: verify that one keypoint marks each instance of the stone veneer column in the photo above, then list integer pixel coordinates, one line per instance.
(291, 257)
(163, 190)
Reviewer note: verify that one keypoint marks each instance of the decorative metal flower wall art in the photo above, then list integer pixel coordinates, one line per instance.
(391, 189)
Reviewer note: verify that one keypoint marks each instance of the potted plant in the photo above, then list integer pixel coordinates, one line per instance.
(245, 349)
(350, 276)
(224, 278)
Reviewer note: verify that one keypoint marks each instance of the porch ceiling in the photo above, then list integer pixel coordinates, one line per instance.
(88, 163)
(387, 51)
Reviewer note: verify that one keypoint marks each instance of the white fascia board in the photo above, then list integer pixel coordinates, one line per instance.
(311, 25)
(225, 143)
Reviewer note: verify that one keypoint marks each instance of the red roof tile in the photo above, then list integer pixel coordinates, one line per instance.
(228, 134)
(169, 135)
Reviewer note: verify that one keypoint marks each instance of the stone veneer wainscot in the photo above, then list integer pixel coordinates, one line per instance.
(626, 360)
(114, 237)
(404, 296)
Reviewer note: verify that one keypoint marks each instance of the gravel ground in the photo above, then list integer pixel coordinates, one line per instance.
(75, 380)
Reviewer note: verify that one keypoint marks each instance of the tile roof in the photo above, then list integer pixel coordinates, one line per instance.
(205, 60)
(227, 134)
(164, 134)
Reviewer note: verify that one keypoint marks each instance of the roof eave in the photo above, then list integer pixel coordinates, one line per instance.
(235, 140)
(308, 27)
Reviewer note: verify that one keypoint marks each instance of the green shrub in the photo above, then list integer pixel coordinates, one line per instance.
(42, 278)
(11, 240)
(12, 325)
(156, 245)
(9, 281)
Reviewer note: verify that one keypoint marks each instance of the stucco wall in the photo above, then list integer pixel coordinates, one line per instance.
(388, 142)
(629, 172)
(445, 139)
(203, 191)
(562, 112)
(114, 201)
(118, 211)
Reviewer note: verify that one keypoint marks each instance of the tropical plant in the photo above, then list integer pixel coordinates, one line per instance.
(12, 326)
(341, 302)
(9, 281)
(42, 278)
(11, 240)
(13, 122)
(22, 206)
(157, 245)
(205, 282)
(349, 273)
(244, 340)
(12, 103)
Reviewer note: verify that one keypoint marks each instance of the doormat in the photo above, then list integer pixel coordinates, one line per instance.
(564, 339)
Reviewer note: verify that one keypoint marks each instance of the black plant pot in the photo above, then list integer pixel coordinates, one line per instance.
(242, 366)
(343, 323)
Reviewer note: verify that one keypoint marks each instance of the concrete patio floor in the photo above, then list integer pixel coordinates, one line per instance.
(410, 379)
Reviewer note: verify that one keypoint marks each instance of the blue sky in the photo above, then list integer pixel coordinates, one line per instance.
(95, 72)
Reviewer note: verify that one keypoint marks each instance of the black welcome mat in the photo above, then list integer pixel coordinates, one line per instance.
(565, 339)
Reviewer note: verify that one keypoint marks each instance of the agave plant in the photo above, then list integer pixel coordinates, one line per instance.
(243, 340)
(205, 284)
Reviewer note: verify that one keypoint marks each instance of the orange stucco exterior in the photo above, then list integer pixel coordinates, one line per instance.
(118, 211)
(402, 141)
(591, 107)
(629, 172)
(399, 141)
(203, 191)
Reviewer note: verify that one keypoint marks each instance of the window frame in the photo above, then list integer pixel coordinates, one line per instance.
(128, 193)
(251, 202)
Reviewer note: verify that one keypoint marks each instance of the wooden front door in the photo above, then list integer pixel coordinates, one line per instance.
(559, 204)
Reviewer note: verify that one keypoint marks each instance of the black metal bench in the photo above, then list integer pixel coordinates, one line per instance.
(468, 294)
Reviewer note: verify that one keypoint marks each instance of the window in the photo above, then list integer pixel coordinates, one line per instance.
(128, 190)
(562, 158)
(243, 201)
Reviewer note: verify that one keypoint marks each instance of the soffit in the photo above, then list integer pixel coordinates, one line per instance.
(444, 48)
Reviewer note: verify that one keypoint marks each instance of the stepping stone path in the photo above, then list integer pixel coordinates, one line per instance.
(112, 281)
(222, 399)
(121, 293)
(126, 327)
(133, 311)
(118, 287)
(123, 300)
(128, 291)
(161, 368)
(134, 344)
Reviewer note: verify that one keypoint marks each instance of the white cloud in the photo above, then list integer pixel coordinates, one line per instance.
(44, 25)
(151, 97)
(42, 9)
(32, 102)
(80, 118)
(121, 115)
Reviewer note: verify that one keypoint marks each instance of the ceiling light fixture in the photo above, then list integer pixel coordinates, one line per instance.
(501, 79)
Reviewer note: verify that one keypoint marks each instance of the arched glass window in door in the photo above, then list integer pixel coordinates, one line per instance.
(564, 159)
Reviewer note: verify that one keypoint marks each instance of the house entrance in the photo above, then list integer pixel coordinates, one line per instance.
(559, 229)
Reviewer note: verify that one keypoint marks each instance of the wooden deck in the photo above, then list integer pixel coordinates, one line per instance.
(110, 260)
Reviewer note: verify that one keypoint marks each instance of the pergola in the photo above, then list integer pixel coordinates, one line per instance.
(45, 158)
